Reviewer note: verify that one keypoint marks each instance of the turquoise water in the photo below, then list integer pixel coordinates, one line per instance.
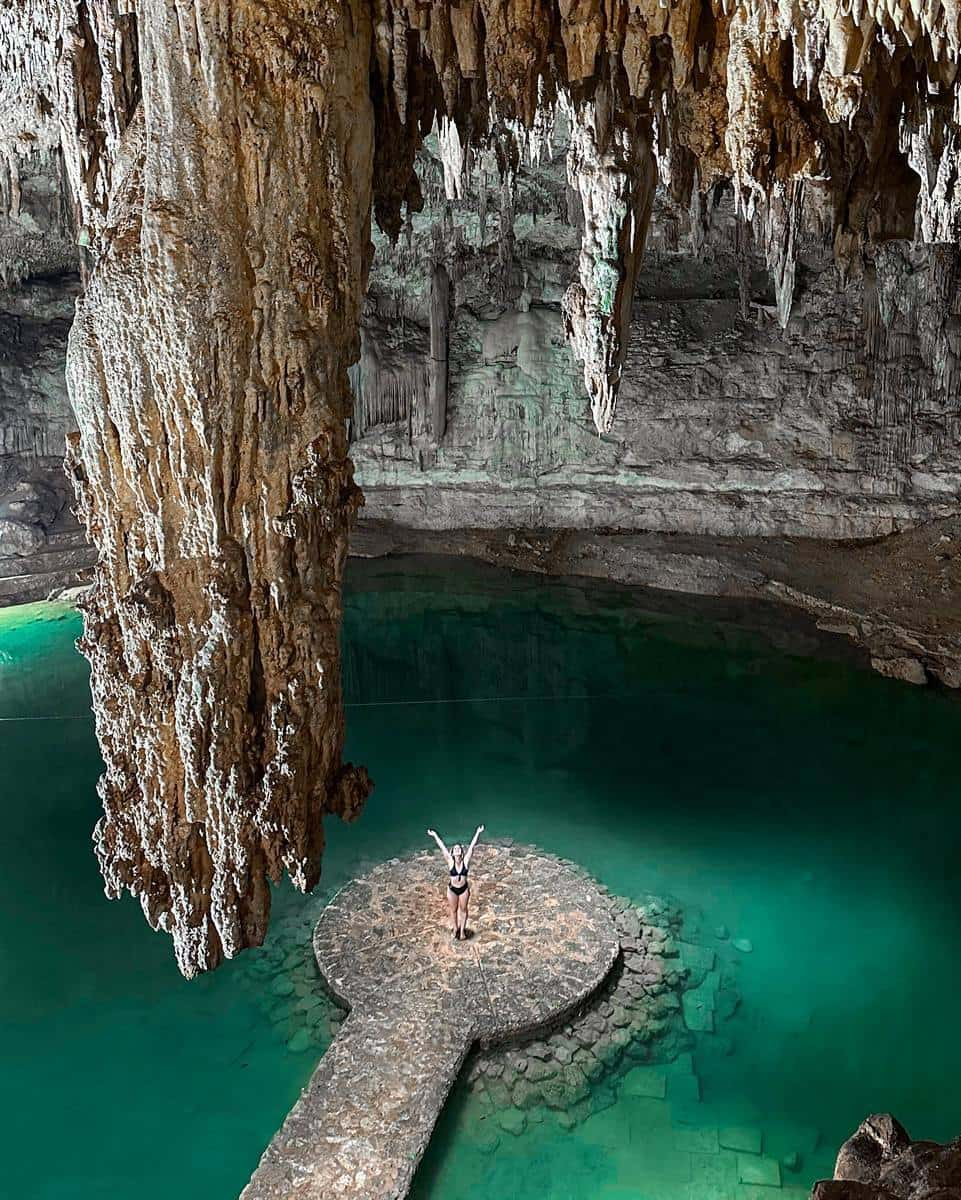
(806, 805)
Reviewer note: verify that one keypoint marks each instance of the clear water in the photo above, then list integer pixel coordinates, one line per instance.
(806, 805)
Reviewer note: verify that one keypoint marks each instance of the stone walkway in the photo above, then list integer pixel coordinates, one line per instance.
(542, 941)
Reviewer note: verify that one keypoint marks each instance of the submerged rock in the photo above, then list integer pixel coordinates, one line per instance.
(512, 1121)
(636, 1019)
(299, 1042)
(744, 1138)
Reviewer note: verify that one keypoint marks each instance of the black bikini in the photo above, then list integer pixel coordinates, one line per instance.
(462, 873)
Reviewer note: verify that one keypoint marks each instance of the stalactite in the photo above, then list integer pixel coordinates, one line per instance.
(207, 366)
(782, 216)
(933, 148)
(452, 157)
(388, 392)
(439, 335)
(36, 219)
(612, 168)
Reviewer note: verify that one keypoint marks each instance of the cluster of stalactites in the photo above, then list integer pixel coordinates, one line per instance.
(36, 235)
(98, 91)
(69, 85)
(847, 109)
(491, 75)
(28, 123)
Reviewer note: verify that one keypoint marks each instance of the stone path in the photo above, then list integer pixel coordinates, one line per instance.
(542, 941)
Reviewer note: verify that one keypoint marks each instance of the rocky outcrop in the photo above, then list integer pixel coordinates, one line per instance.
(881, 1162)
(222, 163)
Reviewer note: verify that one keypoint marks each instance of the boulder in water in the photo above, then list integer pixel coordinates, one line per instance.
(300, 1042)
(512, 1120)
(878, 1141)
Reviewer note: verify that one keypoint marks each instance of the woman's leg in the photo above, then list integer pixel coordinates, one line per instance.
(462, 913)
(452, 909)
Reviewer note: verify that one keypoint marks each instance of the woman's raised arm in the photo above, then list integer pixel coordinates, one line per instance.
(473, 843)
(443, 849)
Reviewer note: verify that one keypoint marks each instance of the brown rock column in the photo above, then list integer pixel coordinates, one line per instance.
(228, 218)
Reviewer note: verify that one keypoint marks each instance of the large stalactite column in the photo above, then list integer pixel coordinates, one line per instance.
(221, 155)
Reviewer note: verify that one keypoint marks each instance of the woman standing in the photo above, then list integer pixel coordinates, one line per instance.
(458, 885)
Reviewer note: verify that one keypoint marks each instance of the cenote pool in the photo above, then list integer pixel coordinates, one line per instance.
(804, 804)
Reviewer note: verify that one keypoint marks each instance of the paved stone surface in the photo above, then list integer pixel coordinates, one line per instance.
(542, 941)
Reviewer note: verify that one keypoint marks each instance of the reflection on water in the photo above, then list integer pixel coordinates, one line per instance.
(804, 805)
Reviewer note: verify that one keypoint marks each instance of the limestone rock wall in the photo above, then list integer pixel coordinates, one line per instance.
(36, 220)
(35, 415)
(39, 538)
(845, 423)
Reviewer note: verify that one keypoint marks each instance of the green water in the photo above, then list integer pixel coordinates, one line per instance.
(808, 806)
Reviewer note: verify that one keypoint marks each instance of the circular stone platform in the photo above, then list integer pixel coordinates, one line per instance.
(542, 941)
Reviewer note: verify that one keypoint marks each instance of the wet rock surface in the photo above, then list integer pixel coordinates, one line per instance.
(881, 1162)
(637, 1007)
(542, 941)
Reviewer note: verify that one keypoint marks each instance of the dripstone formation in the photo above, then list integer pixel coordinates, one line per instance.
(208, 370)
(842, 424)
(216, 168)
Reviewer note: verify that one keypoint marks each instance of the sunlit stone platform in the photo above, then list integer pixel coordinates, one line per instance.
(542, 940)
